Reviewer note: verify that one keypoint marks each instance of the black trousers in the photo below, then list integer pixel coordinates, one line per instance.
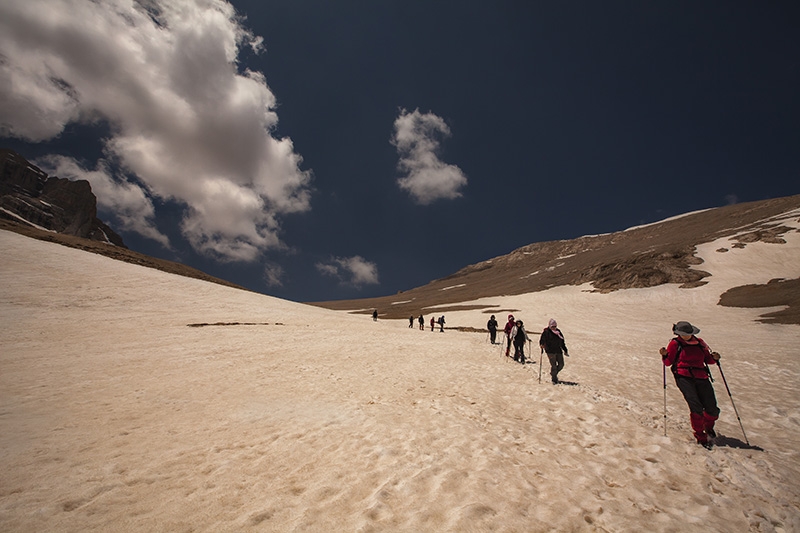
(699, 394)
(519, 351)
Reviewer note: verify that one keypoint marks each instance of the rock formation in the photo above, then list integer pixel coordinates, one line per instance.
(29, 196)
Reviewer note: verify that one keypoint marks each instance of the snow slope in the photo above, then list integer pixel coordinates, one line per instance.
(117, 415)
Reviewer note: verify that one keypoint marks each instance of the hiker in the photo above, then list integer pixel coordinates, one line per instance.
(375, 315)
(411, 321)
(689, 357)
(491, 325)
(552, 343)
(507, 330)
(441, 323)
(421, 323)
(433, 321)
(520, 337)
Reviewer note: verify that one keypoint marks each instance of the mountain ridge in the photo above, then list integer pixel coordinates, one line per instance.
(639, 257)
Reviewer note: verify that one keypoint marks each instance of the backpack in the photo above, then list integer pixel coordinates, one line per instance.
(674, 366)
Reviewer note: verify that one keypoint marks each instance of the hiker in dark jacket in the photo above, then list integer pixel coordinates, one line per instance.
(689, 357)
(421, 323)
(520, 337)
(552, 343)
(491, 325)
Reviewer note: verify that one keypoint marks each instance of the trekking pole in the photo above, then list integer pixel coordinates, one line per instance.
(540, 365)
(721, 373)
(664, 367)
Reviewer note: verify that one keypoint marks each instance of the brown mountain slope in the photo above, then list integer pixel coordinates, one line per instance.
(641, 257)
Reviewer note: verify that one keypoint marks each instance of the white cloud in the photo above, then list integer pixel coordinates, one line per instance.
(427, 178)
(124, 200)
(355, 271)
(185, 120)
(273, 274)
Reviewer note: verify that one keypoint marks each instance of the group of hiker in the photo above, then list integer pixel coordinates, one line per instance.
(687, 355)
(421, 320)
(551, 342)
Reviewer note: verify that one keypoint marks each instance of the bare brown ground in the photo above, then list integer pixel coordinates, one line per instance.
(637, 258)
(777, 292)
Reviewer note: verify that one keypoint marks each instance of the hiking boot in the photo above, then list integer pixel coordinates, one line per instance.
(711, 433)
(707, 444)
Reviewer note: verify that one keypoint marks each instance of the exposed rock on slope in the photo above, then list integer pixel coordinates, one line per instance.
(28, 196)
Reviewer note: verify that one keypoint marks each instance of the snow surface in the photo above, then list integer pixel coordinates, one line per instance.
(116, 415)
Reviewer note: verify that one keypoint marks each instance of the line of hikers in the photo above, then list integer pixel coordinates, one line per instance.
(686, 354)
(421, 321)
(551, 342)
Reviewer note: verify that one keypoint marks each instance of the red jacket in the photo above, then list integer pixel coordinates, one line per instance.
(693, 358)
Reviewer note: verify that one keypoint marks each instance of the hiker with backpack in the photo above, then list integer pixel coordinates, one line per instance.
(552, 343)
(507, 330)
(689, 357)
(491, 325)
(519, 337)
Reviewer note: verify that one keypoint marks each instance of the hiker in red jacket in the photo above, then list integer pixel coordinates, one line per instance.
(507, 330)
(689, 357)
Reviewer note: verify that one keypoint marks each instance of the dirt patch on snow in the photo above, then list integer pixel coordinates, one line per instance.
(778, 292)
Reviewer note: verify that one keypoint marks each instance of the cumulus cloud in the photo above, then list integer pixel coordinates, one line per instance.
(417, 138)
(189, 123)
(273, 274)
(354, 271)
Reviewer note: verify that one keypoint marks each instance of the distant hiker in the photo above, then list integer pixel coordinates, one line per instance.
(689, 357)
(491, 325)
(375, 315)
(411, 321)
(552, 343)
(520, 337)
(421, 323)
(441, 323)
(433, 321)
(507, 330)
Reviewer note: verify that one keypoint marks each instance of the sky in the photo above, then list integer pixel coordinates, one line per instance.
(317, 150)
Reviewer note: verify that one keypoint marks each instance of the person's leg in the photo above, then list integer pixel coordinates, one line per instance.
(705, 392)
(688, 388)
(553, 367)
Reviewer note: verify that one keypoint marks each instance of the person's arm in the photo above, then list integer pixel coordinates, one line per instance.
(710, 358)
(668, 354)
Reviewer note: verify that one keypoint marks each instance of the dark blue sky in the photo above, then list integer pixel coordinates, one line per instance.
(566, 118)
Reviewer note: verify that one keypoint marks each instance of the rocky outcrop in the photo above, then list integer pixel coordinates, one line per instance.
(28, 196)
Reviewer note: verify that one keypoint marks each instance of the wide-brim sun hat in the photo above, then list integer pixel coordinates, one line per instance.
(685, 328)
